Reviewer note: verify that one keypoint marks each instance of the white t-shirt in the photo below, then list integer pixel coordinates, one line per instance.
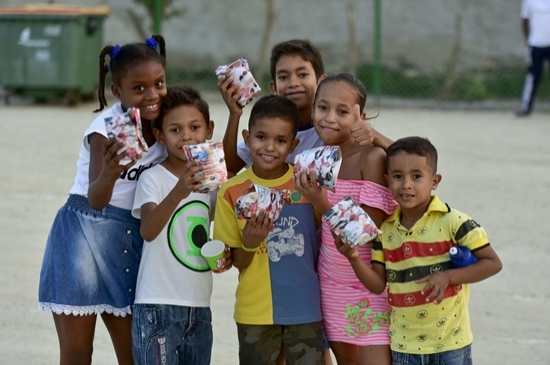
(171, 270)
(125, 186)
(308, 139)
(538, 14)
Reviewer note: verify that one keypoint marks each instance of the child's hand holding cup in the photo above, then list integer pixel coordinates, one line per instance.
(216, 255)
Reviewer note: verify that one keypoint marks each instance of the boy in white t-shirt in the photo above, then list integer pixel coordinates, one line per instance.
(172, 321)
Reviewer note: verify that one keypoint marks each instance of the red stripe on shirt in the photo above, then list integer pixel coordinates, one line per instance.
(417, 249)
(416, 298)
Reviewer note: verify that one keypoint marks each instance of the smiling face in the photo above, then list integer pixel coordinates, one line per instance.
(333, 112)
(270, 141)
(411, 181)
(143, 86)
(295, 80)
(183, 125)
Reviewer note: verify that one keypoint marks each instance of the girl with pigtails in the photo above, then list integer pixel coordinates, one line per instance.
(93, 250)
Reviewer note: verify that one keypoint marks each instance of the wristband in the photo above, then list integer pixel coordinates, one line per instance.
(251, 250)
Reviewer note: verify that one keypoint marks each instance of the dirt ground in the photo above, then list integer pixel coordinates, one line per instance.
(495, 167)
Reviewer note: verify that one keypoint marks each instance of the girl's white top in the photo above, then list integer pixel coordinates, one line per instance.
(125, 186)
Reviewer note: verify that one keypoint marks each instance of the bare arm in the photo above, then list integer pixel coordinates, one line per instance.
(381, 140)
(525, 28)
(104, 169)
(373, 170)
(230, 94)
(374, 279)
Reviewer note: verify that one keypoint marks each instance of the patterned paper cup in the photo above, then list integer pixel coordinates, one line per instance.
(213, 252)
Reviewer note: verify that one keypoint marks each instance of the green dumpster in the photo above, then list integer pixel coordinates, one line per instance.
(51, 50)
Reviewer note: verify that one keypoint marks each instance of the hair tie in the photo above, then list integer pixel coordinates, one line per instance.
(107, 68)
(152, 42)
(115, 51)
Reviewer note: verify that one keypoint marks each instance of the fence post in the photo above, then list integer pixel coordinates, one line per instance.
(157, 18)
(377, 79)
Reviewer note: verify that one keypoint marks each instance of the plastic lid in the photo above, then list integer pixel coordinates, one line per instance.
(55, 9)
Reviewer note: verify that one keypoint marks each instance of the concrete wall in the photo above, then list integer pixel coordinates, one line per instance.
(417, 32)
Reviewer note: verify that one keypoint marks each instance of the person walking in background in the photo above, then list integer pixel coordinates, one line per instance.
(535, 16)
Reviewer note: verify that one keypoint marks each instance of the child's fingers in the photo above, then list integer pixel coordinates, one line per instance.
(108, 144)
(357, 113)
(228, 259)
(435, 295)
(128, 165)
(224, 81)
(112, 148)
(305, 179)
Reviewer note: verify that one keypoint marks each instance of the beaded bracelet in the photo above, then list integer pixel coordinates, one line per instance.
(251, 250)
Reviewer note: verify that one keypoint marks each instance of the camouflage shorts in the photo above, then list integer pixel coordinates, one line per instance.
(260, 344)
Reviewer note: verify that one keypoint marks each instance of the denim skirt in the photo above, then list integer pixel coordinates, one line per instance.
(91, 260)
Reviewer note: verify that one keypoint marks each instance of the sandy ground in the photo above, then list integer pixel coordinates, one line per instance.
(495, 167)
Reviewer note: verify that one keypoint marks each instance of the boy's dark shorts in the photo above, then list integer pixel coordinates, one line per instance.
(260, 344)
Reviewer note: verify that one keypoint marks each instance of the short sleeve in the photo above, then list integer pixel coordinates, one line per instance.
(377, 196)
(226, 226)
(470, 233)
(377, 252)
(524, 9)
(244, 153)
(147, 191)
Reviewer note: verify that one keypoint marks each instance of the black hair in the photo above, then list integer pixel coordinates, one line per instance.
(127, 56)
(301, 47)
(274, 106)
(416, 146)
(178, 95)
(352, 81)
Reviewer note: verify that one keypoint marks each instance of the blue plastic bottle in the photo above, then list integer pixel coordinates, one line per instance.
(461, 256)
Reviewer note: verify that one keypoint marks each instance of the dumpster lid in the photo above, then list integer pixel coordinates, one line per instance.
(55, 9)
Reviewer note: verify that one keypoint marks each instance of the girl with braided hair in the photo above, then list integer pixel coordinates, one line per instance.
(94, 247)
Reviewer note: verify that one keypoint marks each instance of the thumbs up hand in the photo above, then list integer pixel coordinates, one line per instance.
(360, 129)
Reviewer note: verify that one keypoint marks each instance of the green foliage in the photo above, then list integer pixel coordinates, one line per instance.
(494, 83)
(168, 9)
(405, 81)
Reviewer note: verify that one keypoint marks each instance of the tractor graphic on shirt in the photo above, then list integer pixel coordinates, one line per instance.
(282, 242)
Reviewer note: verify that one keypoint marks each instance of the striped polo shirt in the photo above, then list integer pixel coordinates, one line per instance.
(418, 327)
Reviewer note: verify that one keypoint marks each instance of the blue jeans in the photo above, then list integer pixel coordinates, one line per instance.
(461, 356)
(171, 335)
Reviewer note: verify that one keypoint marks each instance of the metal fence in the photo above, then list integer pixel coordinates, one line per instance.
(439, 51)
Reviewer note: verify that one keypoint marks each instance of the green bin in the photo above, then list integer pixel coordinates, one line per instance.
(51, 50)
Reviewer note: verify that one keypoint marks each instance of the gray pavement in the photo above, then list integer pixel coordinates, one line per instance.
(495, 167)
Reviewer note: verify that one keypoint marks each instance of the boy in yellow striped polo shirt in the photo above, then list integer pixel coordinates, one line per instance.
(430, 323)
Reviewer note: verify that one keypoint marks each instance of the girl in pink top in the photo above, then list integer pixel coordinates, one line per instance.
(355, 320)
